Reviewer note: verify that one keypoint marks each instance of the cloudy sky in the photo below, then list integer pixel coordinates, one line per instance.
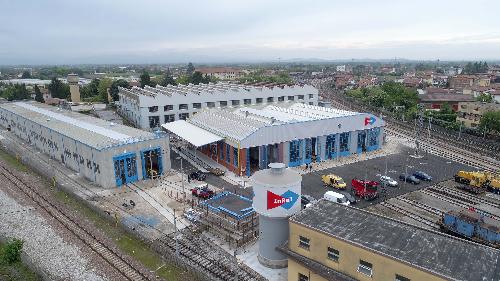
(154, 31)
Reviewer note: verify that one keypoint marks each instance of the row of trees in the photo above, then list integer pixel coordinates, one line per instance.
(490, 122)
(191, 76)
(476, 67)
(390, 95)
(260, 76)
(97, 90)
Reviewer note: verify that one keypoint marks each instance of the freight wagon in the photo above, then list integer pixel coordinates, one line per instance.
(471, 225)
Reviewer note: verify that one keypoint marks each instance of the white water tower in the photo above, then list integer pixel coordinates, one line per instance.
(277, 196)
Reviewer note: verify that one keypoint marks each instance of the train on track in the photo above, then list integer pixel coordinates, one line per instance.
(478, 182)
(471, 225)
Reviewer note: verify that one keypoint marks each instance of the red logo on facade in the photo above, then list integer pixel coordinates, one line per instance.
(369, 120)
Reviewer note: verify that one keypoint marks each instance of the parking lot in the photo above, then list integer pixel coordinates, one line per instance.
(437, 167)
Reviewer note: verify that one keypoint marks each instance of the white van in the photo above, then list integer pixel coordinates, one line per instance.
(336, 197)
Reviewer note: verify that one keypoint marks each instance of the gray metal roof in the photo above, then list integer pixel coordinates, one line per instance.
(240, 123)
(94, 132)
(444, 255)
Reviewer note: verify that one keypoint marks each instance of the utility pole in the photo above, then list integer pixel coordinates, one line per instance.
(176, 238)
(460, 131)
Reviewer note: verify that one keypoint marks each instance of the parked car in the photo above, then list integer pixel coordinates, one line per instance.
(409, 178)
(202, 191)
(198, 175)
(333, 181)
(191, 215)
(422, 176)
(350, 198)
(306, 200)
(388, 181)
(336, 197)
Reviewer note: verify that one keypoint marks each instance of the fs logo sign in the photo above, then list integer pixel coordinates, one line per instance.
(285, 200)
(369, 121)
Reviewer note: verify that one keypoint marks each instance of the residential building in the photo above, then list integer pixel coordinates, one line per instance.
(329, 241)
(435, 101)
(470, 113)
(150, 107)
(221, 73)
(460, 82)
(341, 68)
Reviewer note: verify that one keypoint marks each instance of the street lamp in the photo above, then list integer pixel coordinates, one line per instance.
(182, 174)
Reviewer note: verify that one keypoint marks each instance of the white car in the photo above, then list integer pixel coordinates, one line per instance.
(386, 180)
(336, 197)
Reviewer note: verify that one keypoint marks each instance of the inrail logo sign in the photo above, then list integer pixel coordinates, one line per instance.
(369, 121)
(285, 200)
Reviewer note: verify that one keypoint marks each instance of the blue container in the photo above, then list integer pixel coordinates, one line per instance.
(450, 220)
(465, 228)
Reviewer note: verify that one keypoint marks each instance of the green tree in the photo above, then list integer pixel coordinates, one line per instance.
(26, 75)
(90, 90)
(145, 79)
(490, 122)
(197, 78)
(38, 95)
(168, 79)
(15, 92)
(446, 109)
(12, 251)
(190, 69)
(58, 90)
(102, 89)
(113, 90)
(484, 98)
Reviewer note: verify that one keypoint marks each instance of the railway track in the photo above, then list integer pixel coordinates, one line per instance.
(409, 214)
(421, 205)
(198, 254)
(113, 258)
(471, 198)
(455, 200)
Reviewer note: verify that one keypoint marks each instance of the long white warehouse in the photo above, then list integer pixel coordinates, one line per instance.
(103, 152)
(150, 107)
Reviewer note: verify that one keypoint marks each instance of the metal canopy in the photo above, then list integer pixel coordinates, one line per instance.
(191, 133)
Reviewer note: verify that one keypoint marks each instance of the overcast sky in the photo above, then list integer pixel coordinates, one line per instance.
(125, 31)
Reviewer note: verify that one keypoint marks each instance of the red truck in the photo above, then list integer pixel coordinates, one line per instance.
(367, 190)
(202, 191)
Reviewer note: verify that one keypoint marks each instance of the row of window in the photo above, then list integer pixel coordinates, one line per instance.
(154, 121)
(184, 106)
(333, 254)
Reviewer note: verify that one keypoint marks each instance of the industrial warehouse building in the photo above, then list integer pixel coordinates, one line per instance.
(247, 139)
(150, 107)
(329, 241)
(103, 152)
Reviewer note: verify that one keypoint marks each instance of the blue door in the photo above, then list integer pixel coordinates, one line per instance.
(152, 165)
(125, 168)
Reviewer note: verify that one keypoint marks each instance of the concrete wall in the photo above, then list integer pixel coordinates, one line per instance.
(384, 268)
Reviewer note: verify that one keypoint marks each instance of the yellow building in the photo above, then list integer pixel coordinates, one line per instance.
(329, 241)
(470, 113)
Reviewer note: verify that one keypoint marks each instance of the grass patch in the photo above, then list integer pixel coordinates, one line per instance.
(126, 242)
(12, 161)
(16, 270)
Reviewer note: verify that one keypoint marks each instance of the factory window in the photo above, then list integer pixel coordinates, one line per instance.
(222, 152)
(303, 277)
(311, 103)
(228, 153)
(401, 278)
(197, 105)
(183, 116)
(168, 107)
(258, 100)
(235, 102)
(223, 103)
(235, 157)
(154, 121)
(365, 267)
(183, 106)
(169, 118)
(300, 97)
(330, 146)
(344, 142)
(295, 147)
(291, 98)
(304, 242)
(311, 96)
(333, 254)
(153, 109)
(247, 101)
(210, 104)
(270, 99)
(281, 98)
